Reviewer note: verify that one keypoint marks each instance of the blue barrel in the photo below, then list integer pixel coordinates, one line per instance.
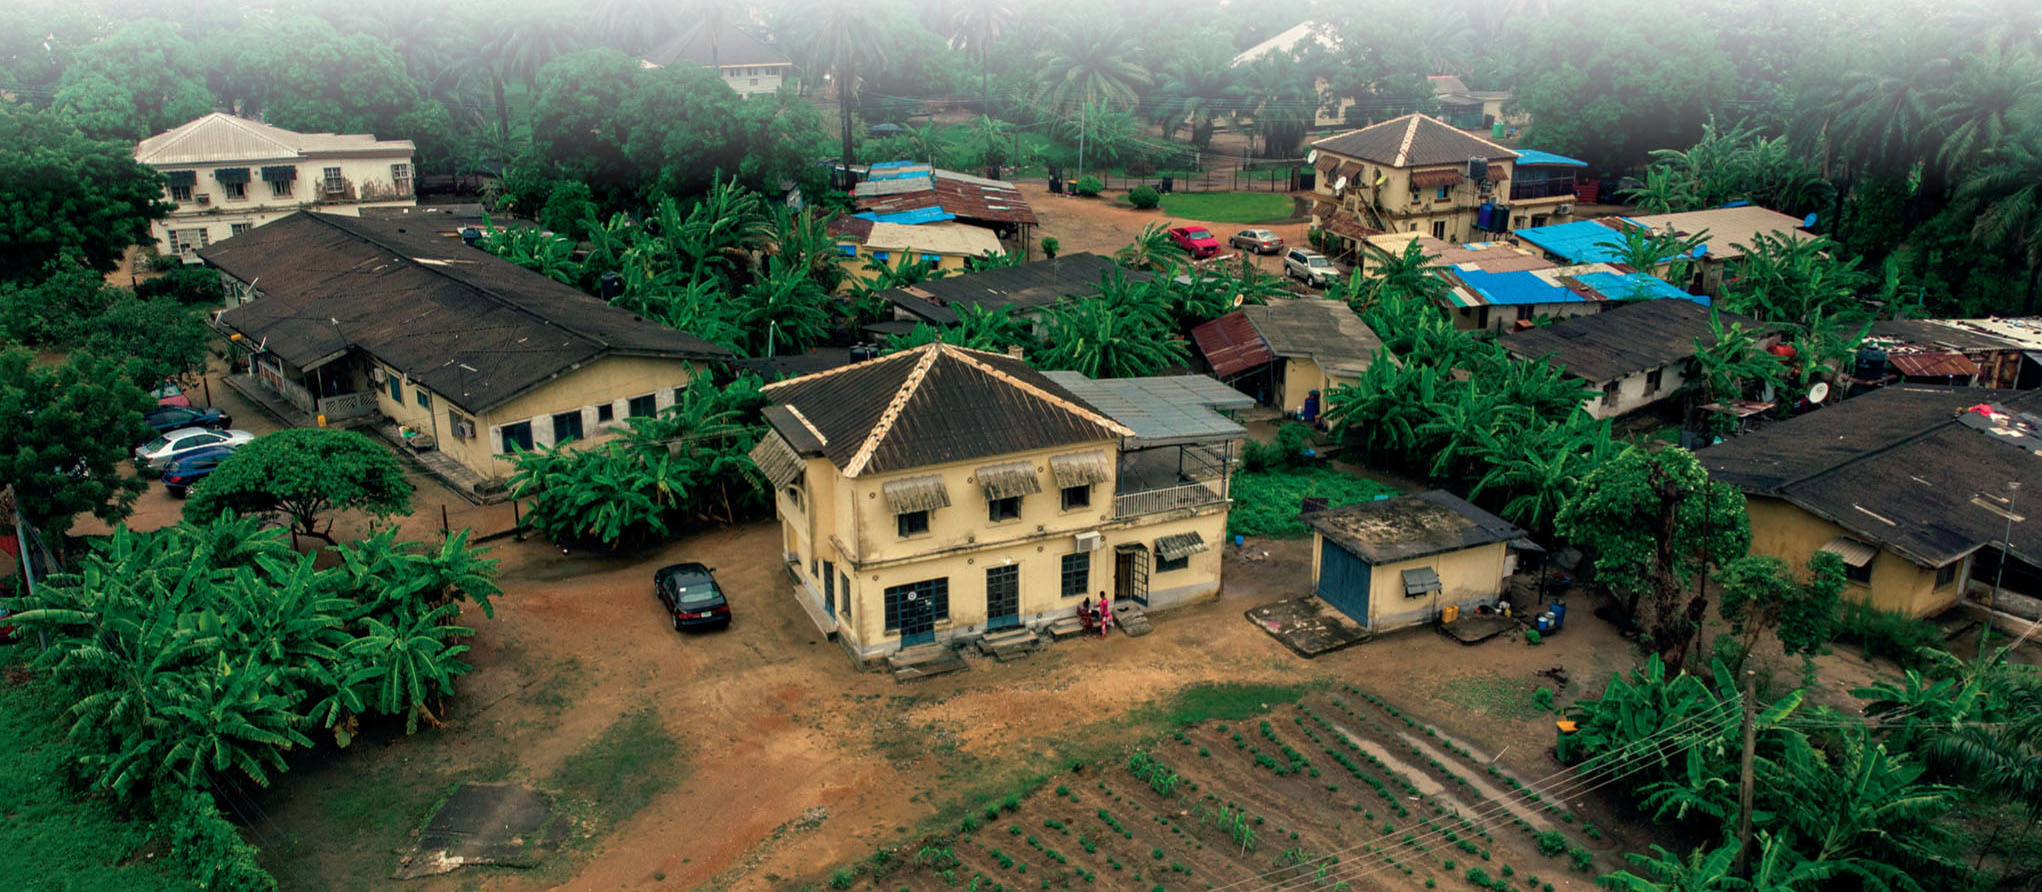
(1311, 410)
(1559, 611)
(1544, 623)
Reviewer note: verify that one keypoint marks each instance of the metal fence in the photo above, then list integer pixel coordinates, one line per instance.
(1152, 501)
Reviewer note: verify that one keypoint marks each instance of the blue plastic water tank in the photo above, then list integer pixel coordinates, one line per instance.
(1559, 611)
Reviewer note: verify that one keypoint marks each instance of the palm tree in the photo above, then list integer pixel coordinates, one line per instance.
(1979, 110)
(975, 28)
(839, 36)
(1447, 39)
(1282, 102)
(2006, 197)
(1089, 65)
(715, 17)
(1152, 251)
(1663, 254)
(514, 46)
(1884, 114)
(1198, 89)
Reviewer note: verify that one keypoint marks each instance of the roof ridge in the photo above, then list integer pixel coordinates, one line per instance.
(1494, 145)
(843, 369)
(914, 380)
(1085, 411)
(491, 296)
(1410, 136)
(1854, 458)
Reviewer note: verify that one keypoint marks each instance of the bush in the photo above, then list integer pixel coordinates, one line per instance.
(1266, 504)
(1049, 246)
(1088, 186)
(166, 262)
(1892, 636)
(1543, 699)
(1532, 636)
(188, 284)
(1144, 197)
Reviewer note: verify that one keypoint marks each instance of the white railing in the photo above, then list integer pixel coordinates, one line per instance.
(1151, 501)
(348, 405)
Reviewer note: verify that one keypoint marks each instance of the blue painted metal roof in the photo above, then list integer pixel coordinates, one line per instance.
(886, 164)
(1514, 288)
(1627, 286)
(1574, 242)
(909, 218)
(1534, 156)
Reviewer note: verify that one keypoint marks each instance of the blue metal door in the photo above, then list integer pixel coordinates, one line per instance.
(1343, 581)
(1003, 597)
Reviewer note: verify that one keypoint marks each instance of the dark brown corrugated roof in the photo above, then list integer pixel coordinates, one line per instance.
(962, 196)
(1231, 345)
(1413, 141)
(1933, 365)
(731, 47)
(1628, 339)
(931, 405)
(1898, 467)
(427, 305)
(1025, 287)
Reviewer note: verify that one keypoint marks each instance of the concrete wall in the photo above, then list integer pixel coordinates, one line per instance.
(1394, 198)
(1633, 393)
(855, 269)
(843, 526)
(1501, 318)
(367, 182)
(1784, 531)
(1469, 577)
(754, 80)
(611, 381)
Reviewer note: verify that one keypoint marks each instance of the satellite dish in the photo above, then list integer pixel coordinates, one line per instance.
(1819, 392)
(1312, 157)
(1339, 184)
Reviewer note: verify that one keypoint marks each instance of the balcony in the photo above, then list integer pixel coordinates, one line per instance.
(1521, 190)
(1156, 501)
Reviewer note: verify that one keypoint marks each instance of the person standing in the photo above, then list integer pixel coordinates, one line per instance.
(1105, 614)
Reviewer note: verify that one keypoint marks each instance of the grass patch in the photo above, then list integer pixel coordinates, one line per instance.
(1501, 698)
(1266, 503)
(1229, 207)
(1212, 701)
(618, 773)
(51, 837)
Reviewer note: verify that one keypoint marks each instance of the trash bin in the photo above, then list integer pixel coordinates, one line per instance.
(1559, 611)
(1564, 744)
(1544, 623)
(1167, 184)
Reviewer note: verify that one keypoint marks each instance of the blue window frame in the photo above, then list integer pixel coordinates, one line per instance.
(396, 388)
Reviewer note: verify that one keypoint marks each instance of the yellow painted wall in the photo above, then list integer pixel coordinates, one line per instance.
(1467, 578)
(1301, 376)
(854, 266)
(369, 175)
(1899, 585)
(611, 380)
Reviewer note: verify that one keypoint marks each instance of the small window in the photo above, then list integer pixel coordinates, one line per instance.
(1946, 574)
(794, 496)
(566, 426)
(400, 178)
(913, 523)
(396, 387)
(848, 250)
(180, 193)
(1077, 574)
(844, 594)
(641, 406)
(235, 191)
(606, 412)
(517, 436)
(1079, 496)
(1652, 379)
(1165, 565)
(1609, 394)
(1439, 229)
(1003, 509)
(424, 400)
(1420, 582)
(933, 259)
(333, 182)
(1858, 574)
(829, 581)
(237, 228)
(881, 255)
(1524, 313)
(1442, 192)
(281, 188)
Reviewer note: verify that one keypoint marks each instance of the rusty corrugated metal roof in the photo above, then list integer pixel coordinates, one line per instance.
(1933, 365)
(1231, 345)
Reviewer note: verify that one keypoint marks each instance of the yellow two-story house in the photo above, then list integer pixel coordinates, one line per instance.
(940, 493)
(226, 175)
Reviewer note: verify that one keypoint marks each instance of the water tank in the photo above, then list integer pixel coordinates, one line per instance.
(1559, 611)
(1311, 410)
(470, 236)
(1498, 130)
(611, 285)
(1871, 365)
(1478, 169)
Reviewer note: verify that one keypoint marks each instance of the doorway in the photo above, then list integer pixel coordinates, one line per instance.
(1131, 573)
(1003, 597)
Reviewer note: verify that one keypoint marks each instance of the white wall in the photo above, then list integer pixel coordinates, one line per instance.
(368, 182)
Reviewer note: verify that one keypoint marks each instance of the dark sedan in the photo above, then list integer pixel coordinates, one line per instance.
(169, 418)
(190, 468)
(691, 595)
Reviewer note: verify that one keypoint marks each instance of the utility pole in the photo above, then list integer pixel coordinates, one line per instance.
(1745, 782)
(1081, 136)
(2005, 546)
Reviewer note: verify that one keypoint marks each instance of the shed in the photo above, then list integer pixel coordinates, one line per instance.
(1282, 352)
(1400, 562)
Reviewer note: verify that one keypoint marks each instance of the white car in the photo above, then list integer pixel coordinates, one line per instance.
(1309, 267)
(178, 443)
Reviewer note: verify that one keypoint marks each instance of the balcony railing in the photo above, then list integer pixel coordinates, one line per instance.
(1153, 501)
(348, 405)
(1538, 189)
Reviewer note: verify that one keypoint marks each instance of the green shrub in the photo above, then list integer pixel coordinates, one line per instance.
(1888, 635)
(1049, 246)
(1144, 197)
(1543, 699)
(1532, 636)
(1088, 186)
(1266, 503)
(842, 878)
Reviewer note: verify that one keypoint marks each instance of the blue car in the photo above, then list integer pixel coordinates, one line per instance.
(185, 470)
(169, 418)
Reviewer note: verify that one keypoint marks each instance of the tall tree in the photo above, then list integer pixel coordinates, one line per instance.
(841, 38)
(64, 195)
(1985, 104)
(974, 28)
(1090, 65)
(66, 447)
(1198, 88)
(2006, 196)
(141, 80)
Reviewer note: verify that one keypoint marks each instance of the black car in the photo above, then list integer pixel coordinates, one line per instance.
(169, 418)
(691, 595)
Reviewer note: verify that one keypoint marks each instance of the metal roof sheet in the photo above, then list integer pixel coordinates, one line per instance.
(1325, 331)
(220, 137)
(1576, 242)
(1731, 230)
(1162, 411)
(1413, 526)
(1413, 140)
(1630, 338)
(914, 217)
(1635, 286)
(727, 46)
(1933, 365)
(1231, 345)
(1534, 156)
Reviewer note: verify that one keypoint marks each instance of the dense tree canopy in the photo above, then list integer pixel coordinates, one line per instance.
(65, 195)
(139, 81)
(304, 473)
(66, 445)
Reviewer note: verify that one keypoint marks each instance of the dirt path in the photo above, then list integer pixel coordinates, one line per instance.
(1104, 225)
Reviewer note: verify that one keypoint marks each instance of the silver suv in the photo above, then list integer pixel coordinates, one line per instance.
(1309, 267)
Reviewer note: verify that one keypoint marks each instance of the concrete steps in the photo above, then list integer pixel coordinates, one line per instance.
(924, 661)
(1007, 645)
(1131, 619)
(1068, 627)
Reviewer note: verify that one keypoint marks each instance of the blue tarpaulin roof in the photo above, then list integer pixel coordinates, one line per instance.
(1575, 242)
(883, 165)
(1629, 285)
(1514, 288)
(909, 218)
(1534, 156)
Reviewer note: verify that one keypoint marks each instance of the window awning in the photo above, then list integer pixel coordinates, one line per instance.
(1420, 581)
(1080, 469)
(916, 494)
(231, 175)
(776, 460)
(1853, 552)
(280, 173)
(1426, 179)
(1008, 479)
(1179, 546)
(182, 177)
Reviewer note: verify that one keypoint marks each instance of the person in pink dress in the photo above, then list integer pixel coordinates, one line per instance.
(1105, 614)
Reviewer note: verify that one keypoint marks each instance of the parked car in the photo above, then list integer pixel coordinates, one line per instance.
(171, 395)
(178, 443)
(691, 595)
(1196, 240)
(1309, 267)
(180, 473)
(1260, 241)
(169, 418)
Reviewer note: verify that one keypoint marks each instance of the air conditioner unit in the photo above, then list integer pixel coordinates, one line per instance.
(1564, 209)
(375, 375)
(203, 199)
(1089, 541)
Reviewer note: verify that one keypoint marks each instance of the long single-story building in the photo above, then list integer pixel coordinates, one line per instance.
(1402, 561)
(1728, 233)
(1283, 352)
(1908, 484)
(2003, 353)
(1634, 356)
(1499, 285)
(346, 320)
(1027, 288)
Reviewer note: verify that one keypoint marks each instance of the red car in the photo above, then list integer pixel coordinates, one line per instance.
(1196, 240)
